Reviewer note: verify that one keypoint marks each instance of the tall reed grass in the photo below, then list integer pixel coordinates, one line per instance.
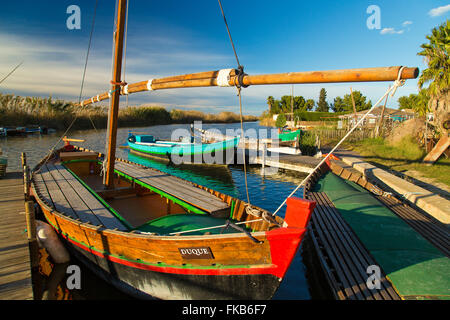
(59, 114)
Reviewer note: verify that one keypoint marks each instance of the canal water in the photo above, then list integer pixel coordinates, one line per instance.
(267, 192)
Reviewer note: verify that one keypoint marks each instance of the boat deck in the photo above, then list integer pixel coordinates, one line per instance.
(173, 186)
(343, 257)
(416, 267)
(62, 191)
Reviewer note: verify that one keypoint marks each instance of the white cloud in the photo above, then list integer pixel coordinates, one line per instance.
(406, 23)
(439, 11)
(391, 31)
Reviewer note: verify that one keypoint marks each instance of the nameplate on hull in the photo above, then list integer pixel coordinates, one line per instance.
(196, 253)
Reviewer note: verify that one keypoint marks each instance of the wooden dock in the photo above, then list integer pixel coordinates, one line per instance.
(15, 266)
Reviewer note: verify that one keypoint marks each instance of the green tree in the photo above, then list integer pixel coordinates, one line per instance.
(361, 102)
(270, 103)
(436, 54)
(281, 121)
(417, 102)
(322, 104)
(339, 105)
(309, 104)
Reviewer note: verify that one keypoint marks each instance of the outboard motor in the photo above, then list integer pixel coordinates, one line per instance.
(131, 138)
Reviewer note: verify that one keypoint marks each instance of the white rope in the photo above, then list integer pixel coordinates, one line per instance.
(149, 85)
(223, 78)
(397, 83)
(208, 228)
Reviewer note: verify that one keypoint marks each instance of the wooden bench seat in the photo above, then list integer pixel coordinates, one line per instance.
(60, 189)
(174, 186)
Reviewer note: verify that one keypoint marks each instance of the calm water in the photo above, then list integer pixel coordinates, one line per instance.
(265, 192)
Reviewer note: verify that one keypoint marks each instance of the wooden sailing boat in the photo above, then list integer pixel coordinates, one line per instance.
(155, 235)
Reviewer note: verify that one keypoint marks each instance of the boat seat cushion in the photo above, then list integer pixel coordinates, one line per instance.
(183, 222)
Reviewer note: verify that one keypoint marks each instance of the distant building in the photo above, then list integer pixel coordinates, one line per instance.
(372, 118)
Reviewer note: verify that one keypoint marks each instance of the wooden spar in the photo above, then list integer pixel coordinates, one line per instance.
(115, 94)
(210, 79)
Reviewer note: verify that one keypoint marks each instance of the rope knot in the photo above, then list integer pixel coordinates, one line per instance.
(399, 82)
(239, 79)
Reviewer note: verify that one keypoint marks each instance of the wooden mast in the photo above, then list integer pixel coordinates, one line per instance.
(115, 93)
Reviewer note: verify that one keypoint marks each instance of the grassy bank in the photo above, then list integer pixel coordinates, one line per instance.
(405, 156)
(58, 114)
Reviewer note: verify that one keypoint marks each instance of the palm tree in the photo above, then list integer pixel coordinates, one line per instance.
(270, 101)
(436, 54)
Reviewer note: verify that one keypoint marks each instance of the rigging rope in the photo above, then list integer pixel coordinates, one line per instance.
(12, 71)
(392, 90)
(229, 34)
(125, 51)
(239, 85)
(81, 89)
(87, 59)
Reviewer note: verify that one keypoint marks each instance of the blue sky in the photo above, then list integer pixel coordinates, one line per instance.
(175, 37)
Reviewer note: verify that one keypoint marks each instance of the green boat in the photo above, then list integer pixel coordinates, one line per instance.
(221, 152)
(288, 135)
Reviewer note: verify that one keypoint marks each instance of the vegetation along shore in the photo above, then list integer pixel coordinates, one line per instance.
(58, 114)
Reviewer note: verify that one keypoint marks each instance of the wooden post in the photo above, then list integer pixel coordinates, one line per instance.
(26, 183)
(24, 159)
(31, 234)
(379, 129)
(31, 222)
(115, 95)
(354, 106)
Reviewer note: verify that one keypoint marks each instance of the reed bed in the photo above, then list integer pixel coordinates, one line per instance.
(59, 114)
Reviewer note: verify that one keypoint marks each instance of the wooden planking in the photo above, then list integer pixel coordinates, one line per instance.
(344, 257)
(70, 197)
(168, 182)
(15, 266)
(73, 199)
(174, 186)
(57, 197)
(97, 209)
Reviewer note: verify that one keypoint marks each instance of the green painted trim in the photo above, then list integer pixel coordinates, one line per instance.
(80, 160)
(114, 212)
(232, 209)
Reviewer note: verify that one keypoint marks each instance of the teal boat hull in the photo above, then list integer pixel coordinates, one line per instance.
(221, 152)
